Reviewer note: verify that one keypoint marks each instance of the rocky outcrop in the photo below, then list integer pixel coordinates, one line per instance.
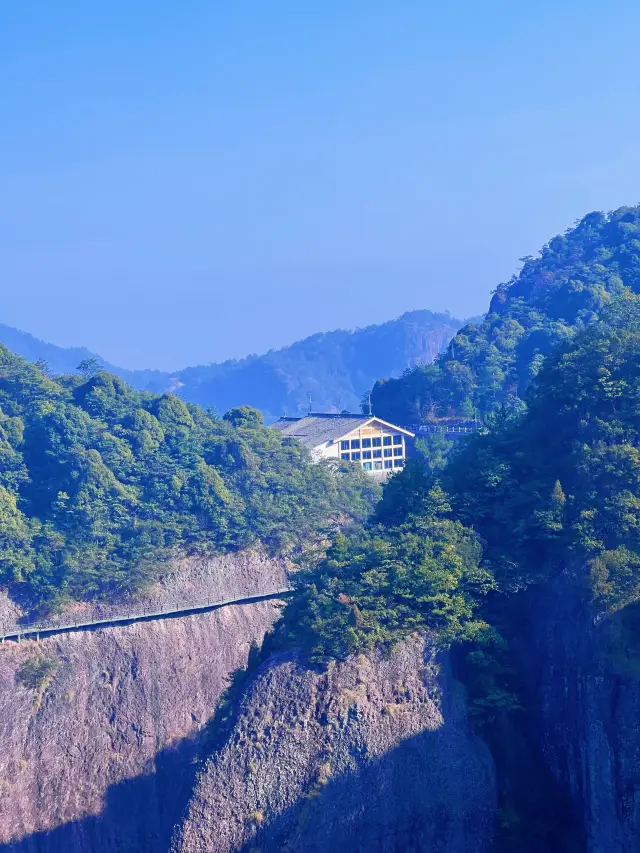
(584, 697)
(99, 731)
(373, 754)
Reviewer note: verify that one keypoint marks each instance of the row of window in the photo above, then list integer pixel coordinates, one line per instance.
(385, 440)
(388, 463)
(368, 454)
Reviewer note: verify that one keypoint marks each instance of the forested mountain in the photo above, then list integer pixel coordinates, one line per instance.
(491, 363)
(335, 368)
(546, 495)
(99, 482)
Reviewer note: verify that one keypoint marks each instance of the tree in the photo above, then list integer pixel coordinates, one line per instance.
(89, 367)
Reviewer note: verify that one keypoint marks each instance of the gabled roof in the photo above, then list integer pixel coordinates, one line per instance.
(319, 427)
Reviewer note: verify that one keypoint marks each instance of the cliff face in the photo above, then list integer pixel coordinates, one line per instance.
(585, 697)
(373, 754)
(97, 747)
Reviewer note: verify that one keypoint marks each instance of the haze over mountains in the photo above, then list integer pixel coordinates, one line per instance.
(336, 368)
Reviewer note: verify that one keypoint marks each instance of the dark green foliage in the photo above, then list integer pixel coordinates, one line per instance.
(377, 587)
(563, 479)
(491, 363)
(98, 483)
(36, 672)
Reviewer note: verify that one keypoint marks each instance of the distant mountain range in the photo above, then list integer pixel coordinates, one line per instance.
(335, 368)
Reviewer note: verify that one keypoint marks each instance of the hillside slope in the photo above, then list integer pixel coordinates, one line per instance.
(493, 362)
(374, 754)
(97, 749)
(336, 368)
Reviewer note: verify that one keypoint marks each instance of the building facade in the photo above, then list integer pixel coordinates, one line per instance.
(380, 448)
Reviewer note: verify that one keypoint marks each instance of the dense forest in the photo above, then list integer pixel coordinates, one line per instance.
(492, 363)
(335, 368)
(99, 483)
(557, 482)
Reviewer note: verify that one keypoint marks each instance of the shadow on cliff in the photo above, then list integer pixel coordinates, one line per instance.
(433, 792)
(138, 816)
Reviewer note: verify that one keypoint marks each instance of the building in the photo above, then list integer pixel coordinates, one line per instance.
(380, 447)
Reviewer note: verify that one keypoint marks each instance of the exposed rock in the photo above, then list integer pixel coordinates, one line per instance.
(586, 712)
(188, 580)
(98, 756)
(373, 754)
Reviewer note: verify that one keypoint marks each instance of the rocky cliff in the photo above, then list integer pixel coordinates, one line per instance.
(373, 754)
(99, 730)
(584, 695)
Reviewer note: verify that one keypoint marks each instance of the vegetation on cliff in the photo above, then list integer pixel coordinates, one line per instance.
(492, 363)
(99, 482)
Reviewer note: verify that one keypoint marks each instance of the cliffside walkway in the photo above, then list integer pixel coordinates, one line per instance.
(148, 614)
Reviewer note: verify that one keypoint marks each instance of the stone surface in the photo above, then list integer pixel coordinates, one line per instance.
(586, 713)
(373, 754)
(101, 758)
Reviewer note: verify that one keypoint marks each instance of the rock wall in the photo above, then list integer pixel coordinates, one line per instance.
(373, 754)
(586, 712)
(98, 756)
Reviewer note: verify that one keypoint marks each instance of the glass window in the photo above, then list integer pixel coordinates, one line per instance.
(366, 454)
(377, 442)
(366, 442)
(366, 466)
(387, 451)
(344, 445)
(377, 466)
(397, 439)
(388, 463)
(355, 444)
(398, 463)
(355, 457)
(397, 451)
(386, 440)
(345, 456)
(377, 454)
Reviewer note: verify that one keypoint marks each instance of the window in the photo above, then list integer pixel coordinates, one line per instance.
(355, 457)
(366, 454)
(387, 451)
(345, 456)
(344, 445)
(388, 463)
(377, 454)
(377, 442)
(366, 466)
(398, 463)
(386, 440)
(377, 466)
(397, 451)
(366, 442)
(397, 439)
(355, 444)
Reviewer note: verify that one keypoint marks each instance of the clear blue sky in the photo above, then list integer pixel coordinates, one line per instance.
(185, 182)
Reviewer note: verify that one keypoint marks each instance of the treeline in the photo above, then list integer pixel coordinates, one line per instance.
(100, 483)
(551, 486)
(462, 552)
(492, 363)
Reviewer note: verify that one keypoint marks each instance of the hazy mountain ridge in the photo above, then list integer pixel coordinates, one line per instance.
(335, 368)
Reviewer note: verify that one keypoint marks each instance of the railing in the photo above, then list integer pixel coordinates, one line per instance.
(462, 430)
(46, 629)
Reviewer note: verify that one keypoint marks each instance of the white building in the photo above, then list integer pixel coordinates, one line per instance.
(380, 447)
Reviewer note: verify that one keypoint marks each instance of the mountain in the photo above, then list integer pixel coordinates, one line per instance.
(335, 368)
(492, 363)
(97, 480)
(61, 360)
(459, 672)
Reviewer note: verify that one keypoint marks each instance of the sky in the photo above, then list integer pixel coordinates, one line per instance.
(184, 183)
